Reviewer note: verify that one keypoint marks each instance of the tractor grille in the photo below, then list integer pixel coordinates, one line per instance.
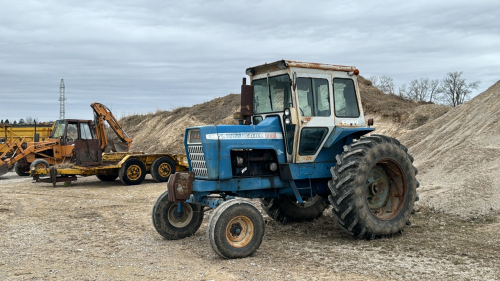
(198, 164)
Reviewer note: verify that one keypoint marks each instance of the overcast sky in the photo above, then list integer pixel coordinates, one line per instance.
(141, 56)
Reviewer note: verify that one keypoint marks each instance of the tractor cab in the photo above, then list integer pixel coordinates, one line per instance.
(317, 104)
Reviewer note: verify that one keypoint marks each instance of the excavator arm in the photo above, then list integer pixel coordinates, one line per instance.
(102, 113)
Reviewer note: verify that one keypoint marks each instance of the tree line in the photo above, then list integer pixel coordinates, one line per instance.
(22, 121)
(452, 90)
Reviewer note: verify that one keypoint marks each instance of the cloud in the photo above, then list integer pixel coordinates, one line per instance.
(140, 56)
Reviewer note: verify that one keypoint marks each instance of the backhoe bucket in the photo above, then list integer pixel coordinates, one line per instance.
(116, 147)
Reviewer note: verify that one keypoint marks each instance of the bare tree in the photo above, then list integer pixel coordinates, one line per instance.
(29, 120)
(422, 89)
(455, 90)
(384, 84)
(403, 91)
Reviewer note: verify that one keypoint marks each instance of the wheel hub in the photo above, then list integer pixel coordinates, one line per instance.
(378, 188)
(134, 172)
(180, 219)
(386, 189)
(164, 170)
(239, 231)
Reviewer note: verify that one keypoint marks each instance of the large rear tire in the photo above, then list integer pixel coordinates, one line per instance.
(172, 225)
(373, 187)
(162, 168)
(132, 172)
(235, 229)
(286, 209)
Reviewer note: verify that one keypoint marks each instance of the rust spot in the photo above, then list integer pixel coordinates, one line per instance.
(321, 66)
(306, 158)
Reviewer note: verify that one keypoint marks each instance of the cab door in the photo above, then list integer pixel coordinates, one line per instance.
(316, 121)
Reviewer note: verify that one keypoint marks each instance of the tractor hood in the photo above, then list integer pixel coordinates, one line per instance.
(209, 147)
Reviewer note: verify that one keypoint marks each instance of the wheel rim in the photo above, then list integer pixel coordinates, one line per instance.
(134, 172)
(239, 231)
(180, 220)
(164, 170)
(386, 189)
(40, 166)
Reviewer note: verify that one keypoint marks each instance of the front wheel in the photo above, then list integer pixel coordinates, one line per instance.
(39, 164)
(173, 225)
(373, 187)
(21, 170)
(235, 229)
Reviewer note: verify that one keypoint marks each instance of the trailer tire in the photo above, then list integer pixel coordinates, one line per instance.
(285, 209)
(171, 227)
(132, 172)
(235, 229)
(111, 177)
(162, 168)
(39, 164)
(21, 170)
(373, 187)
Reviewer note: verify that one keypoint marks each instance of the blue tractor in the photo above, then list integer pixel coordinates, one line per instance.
(302, 144)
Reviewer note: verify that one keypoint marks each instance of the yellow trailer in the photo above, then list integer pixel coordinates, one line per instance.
(130, 167)
(23, 133)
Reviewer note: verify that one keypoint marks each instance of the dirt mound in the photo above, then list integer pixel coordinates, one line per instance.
(458, 156)
(394, 115)
(163, 131)
(394, 108)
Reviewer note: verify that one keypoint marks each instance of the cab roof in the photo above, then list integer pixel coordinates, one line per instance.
(283, 64)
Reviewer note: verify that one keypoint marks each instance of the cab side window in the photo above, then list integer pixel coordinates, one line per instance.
(313, 94)
(346, 103)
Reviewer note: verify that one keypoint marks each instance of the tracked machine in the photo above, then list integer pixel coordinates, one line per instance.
(302, 144)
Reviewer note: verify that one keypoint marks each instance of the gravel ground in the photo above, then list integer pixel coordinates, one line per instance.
(102, 231)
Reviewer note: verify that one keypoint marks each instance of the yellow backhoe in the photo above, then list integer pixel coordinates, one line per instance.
(59, 147)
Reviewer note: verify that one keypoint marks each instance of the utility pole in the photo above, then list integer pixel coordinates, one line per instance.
(62, 100)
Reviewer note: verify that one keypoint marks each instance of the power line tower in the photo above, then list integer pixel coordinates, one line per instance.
(62, 100)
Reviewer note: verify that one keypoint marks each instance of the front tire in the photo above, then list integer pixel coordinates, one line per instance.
(172, 225)
(132, 172)
(286, 209)
(235, 229)
(39, 164)
(21, 170)
(373, 187)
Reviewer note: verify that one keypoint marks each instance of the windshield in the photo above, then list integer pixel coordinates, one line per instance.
(271, 94)
(58, 129)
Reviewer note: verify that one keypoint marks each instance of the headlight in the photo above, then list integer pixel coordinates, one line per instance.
(287, 111)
